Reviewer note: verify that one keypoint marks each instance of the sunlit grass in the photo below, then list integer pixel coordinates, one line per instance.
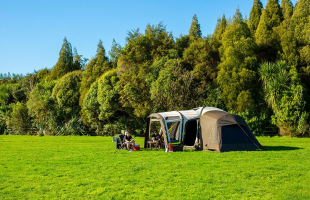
(90, 167)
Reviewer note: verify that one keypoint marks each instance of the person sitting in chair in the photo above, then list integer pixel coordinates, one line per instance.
(130, 142)
(157, 138)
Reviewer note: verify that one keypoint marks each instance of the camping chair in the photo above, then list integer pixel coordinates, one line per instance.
(120, 144)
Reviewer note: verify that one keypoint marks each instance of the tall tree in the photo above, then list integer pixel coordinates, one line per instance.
(94, 69)
(133, 65)
(65, 61)
(286, 33)
(236, 76)
(255, 14)
(78, 61)
(194, 31)
(266, 37)
(273, 12)
(114, 53)
(66, 94)
(300, 20)
(220, 29)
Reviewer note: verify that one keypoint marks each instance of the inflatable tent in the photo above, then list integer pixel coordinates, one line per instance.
(190, 129)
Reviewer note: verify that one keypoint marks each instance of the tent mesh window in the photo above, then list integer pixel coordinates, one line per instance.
(173, 130)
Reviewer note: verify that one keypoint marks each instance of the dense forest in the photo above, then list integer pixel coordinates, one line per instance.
(258, 68)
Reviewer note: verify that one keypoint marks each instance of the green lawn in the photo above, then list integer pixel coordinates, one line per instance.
(66, 167)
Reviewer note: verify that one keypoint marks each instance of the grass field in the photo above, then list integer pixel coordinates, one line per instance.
(63, 167)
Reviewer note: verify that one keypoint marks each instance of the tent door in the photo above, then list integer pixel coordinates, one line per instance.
(191, 131)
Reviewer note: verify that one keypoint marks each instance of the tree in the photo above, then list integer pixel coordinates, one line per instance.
(286, 33)
(78, 61)
(284, 93)
(65, 61)
(219, 31)
(300, 20)
(108, 97)
(66, 94)
(273, 13)
(255, 14)
(41, 108)
(237, 75)
(172, 90)
(114, 53)
(95, 68)
(101, 103)
(181, 44)
(133, 65)
(19, 121)
(266, 37)
(194, 31)
(203, 59)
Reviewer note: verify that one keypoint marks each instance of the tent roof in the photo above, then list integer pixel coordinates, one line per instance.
(194, 113)
(168, 114)
(190, 114)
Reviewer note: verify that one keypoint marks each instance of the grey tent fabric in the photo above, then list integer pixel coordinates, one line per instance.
(222, 131)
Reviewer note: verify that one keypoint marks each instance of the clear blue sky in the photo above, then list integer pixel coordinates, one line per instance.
(32, 31)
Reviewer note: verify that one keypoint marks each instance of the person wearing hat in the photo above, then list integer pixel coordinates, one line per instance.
(130, 142)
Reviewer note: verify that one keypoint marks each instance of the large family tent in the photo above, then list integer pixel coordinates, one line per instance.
(186, 129)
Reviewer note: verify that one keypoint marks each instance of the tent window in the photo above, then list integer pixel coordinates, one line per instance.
(174, 131)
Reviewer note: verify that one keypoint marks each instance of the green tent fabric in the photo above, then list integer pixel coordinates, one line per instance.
(222, 131)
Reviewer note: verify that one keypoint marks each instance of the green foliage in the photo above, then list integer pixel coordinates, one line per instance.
(273, 13)
(255, 14)
(66, 94)
(286, 33)
(42, 108)
(284, 93)
(181, 44)
(108, 97)
(236, 76)
(194, 31)
(301, 21)
(19, 121)
(156, 72)
(65, 62)
(202, 57)
(172, 90)
(133, 65)
(72, 127)
(266, 37)
(114, 53)
(101, 103)
(95, 68)
(91, 107)
(78, 61)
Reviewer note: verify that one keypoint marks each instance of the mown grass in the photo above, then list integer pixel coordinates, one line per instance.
(89, 167)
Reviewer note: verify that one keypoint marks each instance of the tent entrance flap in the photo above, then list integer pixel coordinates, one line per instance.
(190, 135)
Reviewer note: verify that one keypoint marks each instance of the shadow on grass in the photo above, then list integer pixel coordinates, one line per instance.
(280, 148)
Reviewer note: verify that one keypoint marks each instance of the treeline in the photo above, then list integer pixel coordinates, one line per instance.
(258, 68)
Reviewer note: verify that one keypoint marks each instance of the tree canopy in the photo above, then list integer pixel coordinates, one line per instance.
(257, 68)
